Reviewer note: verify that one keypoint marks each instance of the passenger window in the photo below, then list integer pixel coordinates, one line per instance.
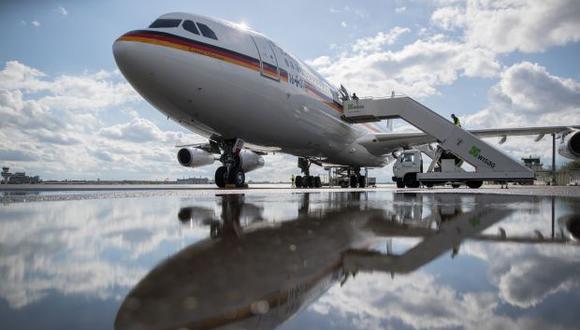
(190, 26)
(206, 31)
(165, 23)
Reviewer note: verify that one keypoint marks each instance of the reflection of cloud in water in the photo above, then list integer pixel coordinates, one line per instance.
(526, 274)
(83, 247)
(417, 300)
(530, 281)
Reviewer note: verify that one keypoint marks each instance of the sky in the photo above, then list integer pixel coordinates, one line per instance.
(67, 112)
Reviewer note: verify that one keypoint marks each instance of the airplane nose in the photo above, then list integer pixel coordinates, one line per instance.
(122, 54)
(134, 63)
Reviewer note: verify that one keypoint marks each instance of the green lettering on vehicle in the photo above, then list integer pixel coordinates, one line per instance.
(474, 151)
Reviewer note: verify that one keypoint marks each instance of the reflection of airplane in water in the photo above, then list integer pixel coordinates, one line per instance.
(259, 276)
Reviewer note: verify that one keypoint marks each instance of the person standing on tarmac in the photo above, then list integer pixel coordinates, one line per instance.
(455, 120)
(354, 97)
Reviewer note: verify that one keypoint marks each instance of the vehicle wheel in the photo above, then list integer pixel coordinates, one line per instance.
(239, 179)
(344, 184)
(308, 182)
(428, 184)
(353, 181)
(455, 185)
(411, 181)
(362, 181)
(474, 184)
(400, 183)
(220, 176)
(298, 181)
(317, 182)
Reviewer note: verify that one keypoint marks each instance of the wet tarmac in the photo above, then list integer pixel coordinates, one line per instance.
(264, 259)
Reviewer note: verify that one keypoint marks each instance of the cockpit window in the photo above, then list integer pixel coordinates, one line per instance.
(165, 23)
(206, 31)
(190, 26)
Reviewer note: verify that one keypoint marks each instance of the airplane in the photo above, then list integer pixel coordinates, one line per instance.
(259, 275)
(250, 97)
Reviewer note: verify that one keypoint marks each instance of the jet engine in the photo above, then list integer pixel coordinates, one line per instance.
(250, 160)
(570, 224)
(194, 157)
(571, 146)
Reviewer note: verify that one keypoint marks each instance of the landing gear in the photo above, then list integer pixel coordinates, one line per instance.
(346, 177)
(474, 184)
(231, 172)
(306, 181)
(353, 181)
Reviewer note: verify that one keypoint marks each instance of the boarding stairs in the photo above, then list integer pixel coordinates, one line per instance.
(489, 162)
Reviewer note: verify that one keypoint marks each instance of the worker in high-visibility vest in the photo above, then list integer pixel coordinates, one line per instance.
(455, 120)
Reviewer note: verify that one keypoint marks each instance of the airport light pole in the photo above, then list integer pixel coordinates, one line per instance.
(553, 159)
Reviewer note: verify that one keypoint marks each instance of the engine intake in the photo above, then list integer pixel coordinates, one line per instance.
(571, 146)
(193, 157)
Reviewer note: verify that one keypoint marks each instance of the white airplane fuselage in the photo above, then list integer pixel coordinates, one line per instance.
(241, 85)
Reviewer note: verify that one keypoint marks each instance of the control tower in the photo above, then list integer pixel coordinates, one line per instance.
(5, 174)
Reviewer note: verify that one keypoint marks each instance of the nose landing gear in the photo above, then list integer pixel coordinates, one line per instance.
(231, 172)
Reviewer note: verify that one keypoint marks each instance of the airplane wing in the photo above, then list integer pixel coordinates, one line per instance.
(384, 143)
(212, 147)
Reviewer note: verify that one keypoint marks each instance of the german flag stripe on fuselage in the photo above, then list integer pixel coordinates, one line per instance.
(224, 54)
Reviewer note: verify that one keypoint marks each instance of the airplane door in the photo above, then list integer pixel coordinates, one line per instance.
(268, 61)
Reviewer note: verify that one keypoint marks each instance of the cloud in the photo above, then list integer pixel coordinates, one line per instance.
(448, 18)
(138, 130)
(376, 43)
(399, 10)
(35, 23)
(417, 69)
(527, 94)
(513, 25)
(70, 126)
(343, 24)
(16, 155)
(62, 11)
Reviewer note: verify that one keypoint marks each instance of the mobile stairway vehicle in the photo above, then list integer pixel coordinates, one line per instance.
(453, 147)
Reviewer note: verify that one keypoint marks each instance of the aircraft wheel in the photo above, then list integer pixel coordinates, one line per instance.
(400, 183)
(455, 185)
(298, 182)
(220, 176)
(239, 178)
(317, 182)
(362, 181)
(308, 181)
(353, 181)
(474, 184)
